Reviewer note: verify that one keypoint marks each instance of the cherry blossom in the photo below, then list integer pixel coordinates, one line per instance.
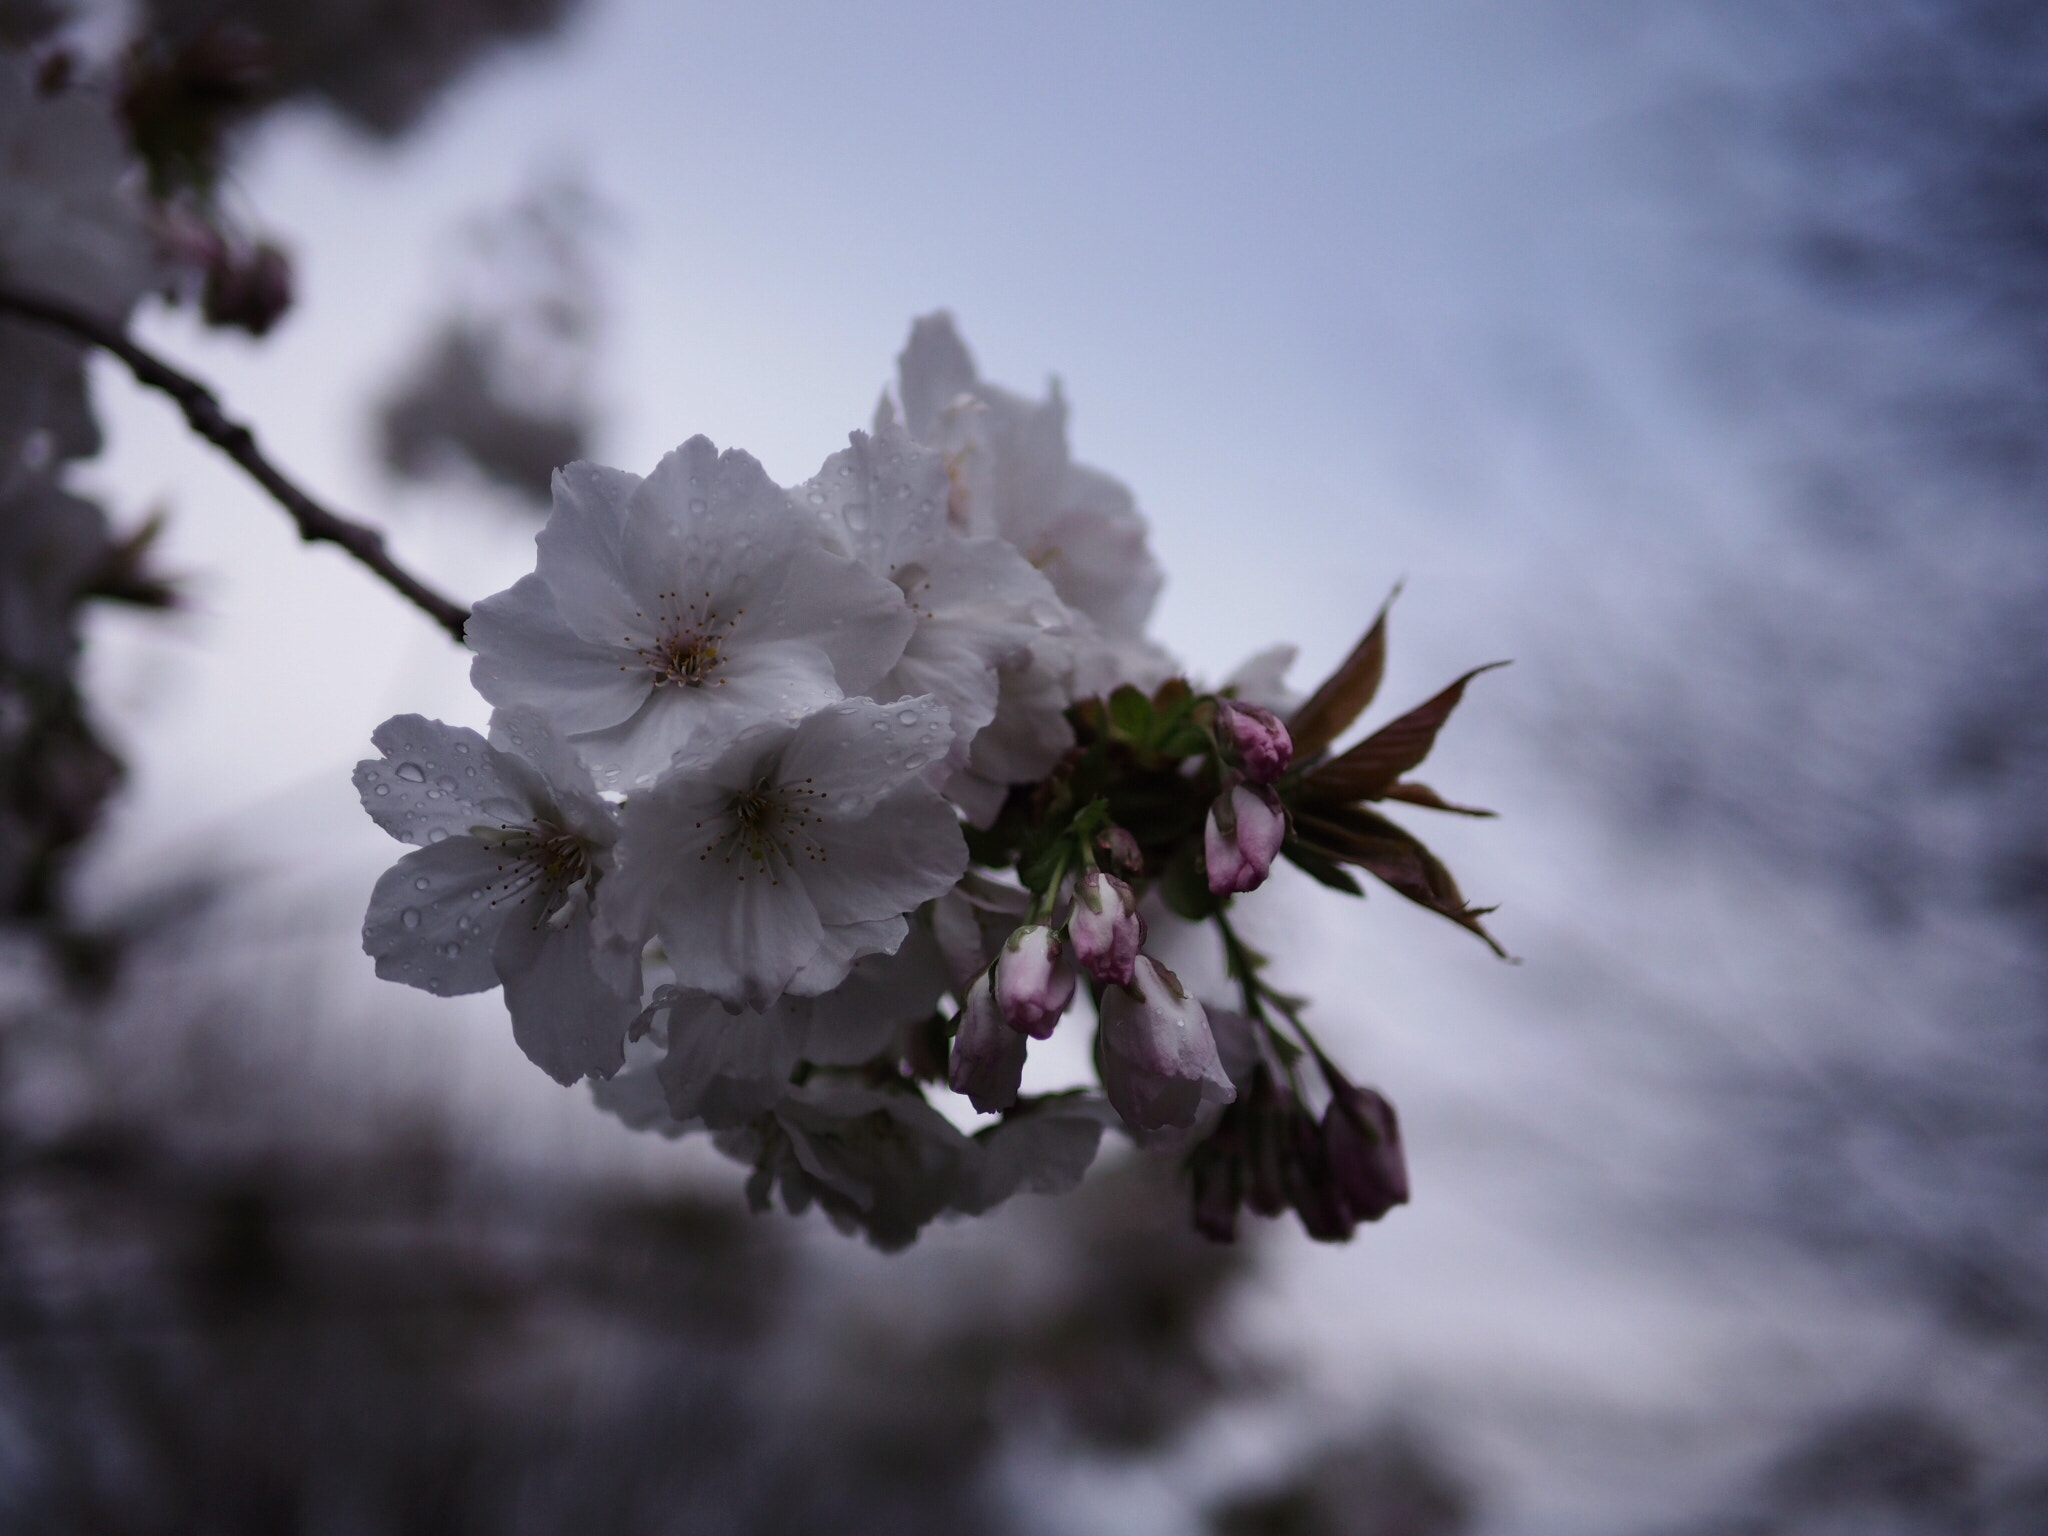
(775, 861)
(511, 841)
(675, 611)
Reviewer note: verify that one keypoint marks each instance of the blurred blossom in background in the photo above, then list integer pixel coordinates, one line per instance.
(1697, 358)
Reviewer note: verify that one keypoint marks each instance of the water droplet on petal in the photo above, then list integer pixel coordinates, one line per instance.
(451, 950)
(438, 835)
(445, 784)
(410, 917)
(412, 773)
(422, 883)
(907, 717)
(383, 789)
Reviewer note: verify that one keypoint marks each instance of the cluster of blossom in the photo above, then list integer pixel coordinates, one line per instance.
(797, 800)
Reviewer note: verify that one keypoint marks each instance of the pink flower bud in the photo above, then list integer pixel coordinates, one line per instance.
(1034, 980)
(1158, 1058)
(988, 1055)
(1362, 1140)
(1257, 736)
(1246, 828)
(1105, 928)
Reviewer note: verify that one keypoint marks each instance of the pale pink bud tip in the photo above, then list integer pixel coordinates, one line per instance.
(1159, 1063)
(1105, 928)
(1245, 830)
(1034, 980)
(1257, 736)
(988, 1056)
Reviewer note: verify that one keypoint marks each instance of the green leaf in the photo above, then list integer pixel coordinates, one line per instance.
(1130, 716)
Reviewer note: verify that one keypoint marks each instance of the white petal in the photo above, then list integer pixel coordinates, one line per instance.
(582, 554)
(934, 369)
(855, 622)
(857, 1020)
(527, 654)
(882, 500)
(841, 945)
(435, 781)
(571, 994)
(908, 851)
(436, 914)
(1045, 1152)
(856, 753)
(741, 936)
(723, 1066)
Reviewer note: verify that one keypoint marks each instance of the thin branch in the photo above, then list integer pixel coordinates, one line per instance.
(315, 523)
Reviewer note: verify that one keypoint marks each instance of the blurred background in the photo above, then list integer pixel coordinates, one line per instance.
(1695, 357)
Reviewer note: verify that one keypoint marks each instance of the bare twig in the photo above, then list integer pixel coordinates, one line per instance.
(315, 523)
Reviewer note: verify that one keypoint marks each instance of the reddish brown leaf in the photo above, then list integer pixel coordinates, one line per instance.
(1345, 693)
(1422, 794)
(1394, 856)
(1371, 768)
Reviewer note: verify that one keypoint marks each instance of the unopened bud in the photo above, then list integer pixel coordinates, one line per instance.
(1158, 1058)
(1245, 830)
(1034, 980)
(1120, 851)
(1257, 737)
(1216, 1171)
(1362, 1140)
(1265, 1145)
(1105, 928)
(988, 1056)
(249, 289)
(1312, 1188)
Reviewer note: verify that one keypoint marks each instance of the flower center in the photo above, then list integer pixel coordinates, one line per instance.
(772, 829)
(545, 855)
(690, 643)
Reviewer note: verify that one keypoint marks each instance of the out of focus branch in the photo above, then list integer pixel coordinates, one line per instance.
(315, 523)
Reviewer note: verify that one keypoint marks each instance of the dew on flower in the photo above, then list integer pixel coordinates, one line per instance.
(410, 917)
(412, 773)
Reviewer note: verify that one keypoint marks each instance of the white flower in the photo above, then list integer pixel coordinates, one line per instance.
(1013, 477)
(683, 608)
(775, 863)
(1042, 1150)
(978, 603)
(881, 1161)
(511, 839)
(722, 1065)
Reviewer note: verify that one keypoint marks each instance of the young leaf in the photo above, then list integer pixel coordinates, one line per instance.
(1345, 693)
(1369, 769)
(1422, 794)
(1394, 856)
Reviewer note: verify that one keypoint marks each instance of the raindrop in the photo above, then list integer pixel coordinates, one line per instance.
(817, 498)
(383, 789)
(422, 883)
(445, 784)
(412, 773)
(907, 717)
(438, 835)
(410, 917)
(856, 515)
(698, 506)
(451, 950)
